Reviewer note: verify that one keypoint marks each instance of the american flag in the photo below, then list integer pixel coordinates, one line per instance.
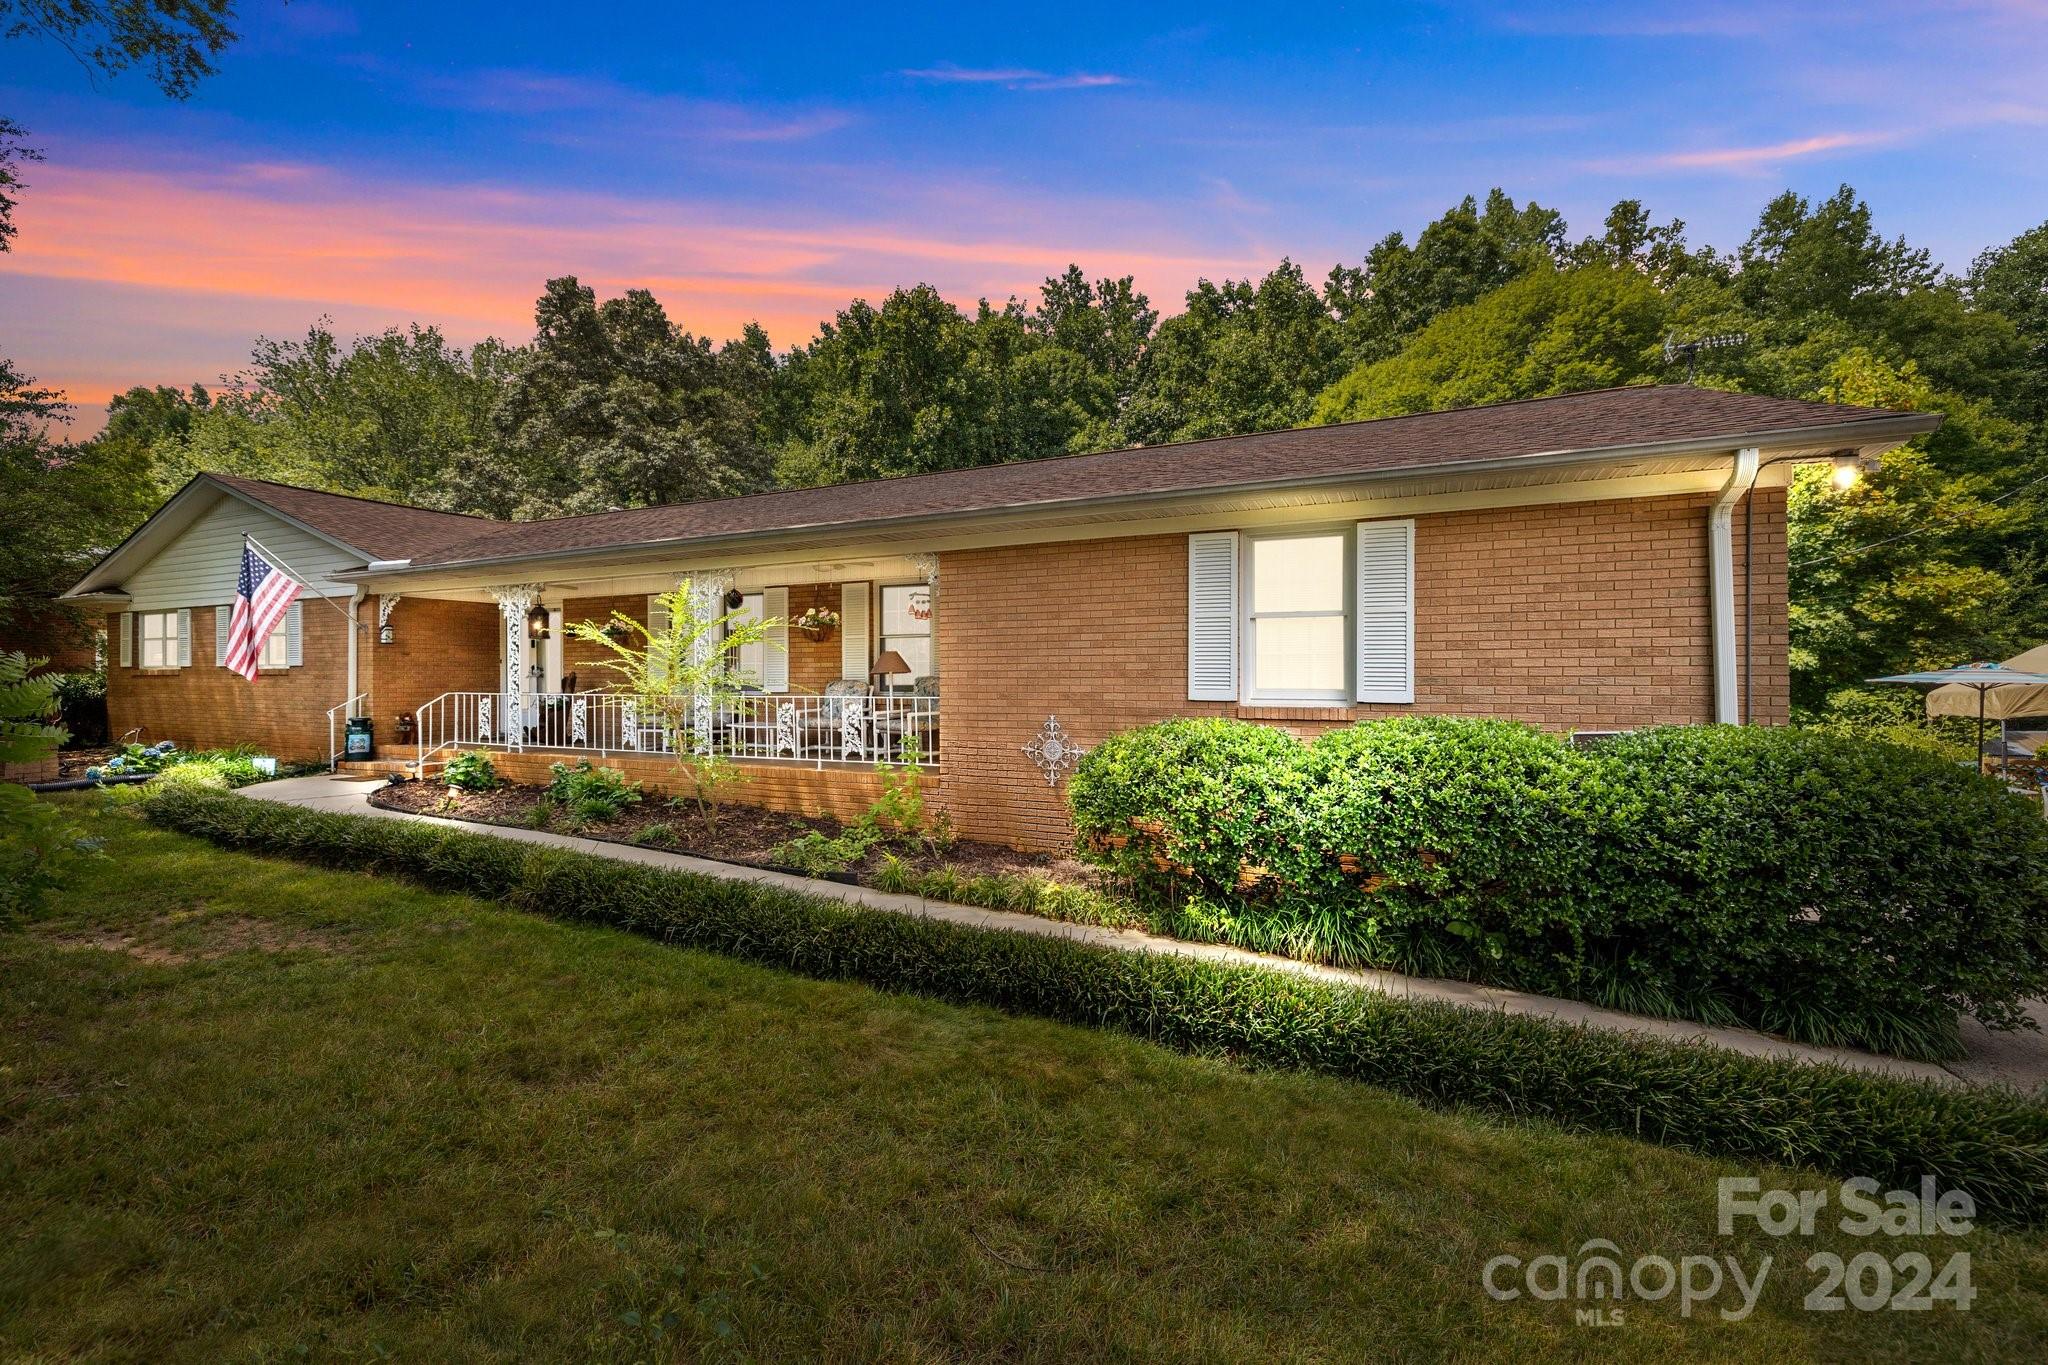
(263, 595)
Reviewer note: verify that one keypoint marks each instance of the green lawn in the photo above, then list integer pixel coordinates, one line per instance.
(253, 1110)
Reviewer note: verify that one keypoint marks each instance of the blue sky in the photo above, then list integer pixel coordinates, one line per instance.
(436, 162)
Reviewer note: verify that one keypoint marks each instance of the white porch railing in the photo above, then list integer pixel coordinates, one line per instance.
(337, 725)
(788, 727)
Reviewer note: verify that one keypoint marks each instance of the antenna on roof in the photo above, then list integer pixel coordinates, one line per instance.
(1674, 348)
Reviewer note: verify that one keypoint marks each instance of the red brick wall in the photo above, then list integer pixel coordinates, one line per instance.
(1579, 616)
(582, 658)
(813, 663)
(435, 647)
(203, 706)
(842, 793)
(67, 644)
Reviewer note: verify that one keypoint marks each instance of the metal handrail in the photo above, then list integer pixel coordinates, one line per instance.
(755, 726)
(350, 708)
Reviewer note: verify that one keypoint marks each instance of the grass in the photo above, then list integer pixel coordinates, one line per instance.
(253, 1109)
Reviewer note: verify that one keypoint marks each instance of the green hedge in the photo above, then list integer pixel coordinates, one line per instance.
(1830, 887)
(1994, 1143)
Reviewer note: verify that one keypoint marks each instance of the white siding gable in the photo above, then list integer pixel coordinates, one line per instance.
(198, 569)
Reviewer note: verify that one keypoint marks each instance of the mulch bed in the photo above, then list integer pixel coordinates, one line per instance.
(745, 834)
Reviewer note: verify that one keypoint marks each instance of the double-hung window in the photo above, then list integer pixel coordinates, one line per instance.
(277, 651)
(157, 633)
(1317, 615)
(907, 629)
(1296, 628)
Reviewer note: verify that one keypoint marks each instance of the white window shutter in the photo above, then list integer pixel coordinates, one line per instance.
(1212, 616)
(221, 617)
(657, 622)
(185, 637)
(126, 622)
(855, 658)
(775, 644)
(1386, 611)
(294, 654)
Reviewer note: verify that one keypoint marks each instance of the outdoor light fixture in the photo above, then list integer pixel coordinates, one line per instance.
(1850, 467)
(537, 622)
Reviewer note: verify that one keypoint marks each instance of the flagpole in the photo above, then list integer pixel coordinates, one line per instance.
(300, 579)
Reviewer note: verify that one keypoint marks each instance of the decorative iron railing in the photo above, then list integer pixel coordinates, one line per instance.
(789, 727)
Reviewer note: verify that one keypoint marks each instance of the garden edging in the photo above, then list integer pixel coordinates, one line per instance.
(352, 797)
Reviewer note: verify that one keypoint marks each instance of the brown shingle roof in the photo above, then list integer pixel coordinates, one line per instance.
(386, 530)
(1588, 421)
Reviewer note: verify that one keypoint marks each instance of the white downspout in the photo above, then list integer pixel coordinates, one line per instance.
(1721, 578)
(355, 628)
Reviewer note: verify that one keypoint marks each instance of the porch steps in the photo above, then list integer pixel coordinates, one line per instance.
(374, 767)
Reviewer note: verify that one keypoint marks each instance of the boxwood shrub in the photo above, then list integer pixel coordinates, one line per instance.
(1834, 888)
(1992, 1142)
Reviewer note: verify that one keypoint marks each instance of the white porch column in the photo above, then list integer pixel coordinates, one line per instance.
(707, 601)
(1721, 584)
(514, 601)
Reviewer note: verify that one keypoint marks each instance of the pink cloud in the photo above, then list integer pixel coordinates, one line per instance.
(146, 275)
(1746, 158)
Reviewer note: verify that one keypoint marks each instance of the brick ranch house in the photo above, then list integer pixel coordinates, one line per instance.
(1591, 561)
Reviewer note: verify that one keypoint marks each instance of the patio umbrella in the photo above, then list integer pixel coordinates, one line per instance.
(2005, 703)
(1980, 678)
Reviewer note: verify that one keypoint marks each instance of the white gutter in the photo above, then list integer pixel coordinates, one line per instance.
(1721, 579)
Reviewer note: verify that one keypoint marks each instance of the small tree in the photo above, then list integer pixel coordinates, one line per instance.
(37, 844)
(677, 672)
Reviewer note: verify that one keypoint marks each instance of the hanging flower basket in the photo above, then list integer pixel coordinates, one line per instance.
(817, 623)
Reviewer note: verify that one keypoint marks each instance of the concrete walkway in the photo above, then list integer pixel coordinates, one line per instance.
(2017, 1059)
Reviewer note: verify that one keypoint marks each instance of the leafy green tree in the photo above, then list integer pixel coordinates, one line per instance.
(386, 416)
(678, 669)
(2011, 281)
(1399, 288)
(1917, 566)
(887, 391)
(175, 39)
(1551, 331)
(61, 505)
(1629, 240)
(1804, 258)
(1243, 357)
(38, 845)
(13, 153)
(614, 406)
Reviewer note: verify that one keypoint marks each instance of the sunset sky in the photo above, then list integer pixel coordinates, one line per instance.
(437, 162)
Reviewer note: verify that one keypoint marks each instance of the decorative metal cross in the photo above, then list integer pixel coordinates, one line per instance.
(1054, 751)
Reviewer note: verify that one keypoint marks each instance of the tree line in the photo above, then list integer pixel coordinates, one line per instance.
(612, 404)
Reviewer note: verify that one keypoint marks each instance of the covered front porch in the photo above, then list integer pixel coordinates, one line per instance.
(846, 673)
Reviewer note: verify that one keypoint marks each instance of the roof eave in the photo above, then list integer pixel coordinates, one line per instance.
(1862, 433)
(80, 591)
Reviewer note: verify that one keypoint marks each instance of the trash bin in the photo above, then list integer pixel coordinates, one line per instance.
(357, 743)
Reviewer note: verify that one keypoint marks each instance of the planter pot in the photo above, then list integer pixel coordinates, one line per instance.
(815, 634)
